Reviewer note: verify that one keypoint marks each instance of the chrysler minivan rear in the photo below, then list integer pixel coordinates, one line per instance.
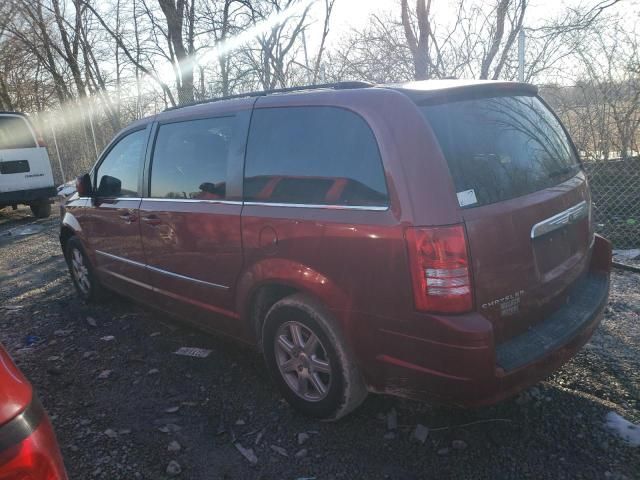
(524, 259)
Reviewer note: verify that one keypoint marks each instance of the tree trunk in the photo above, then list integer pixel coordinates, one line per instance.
(71, 51)
(174, 15)
(419, 46)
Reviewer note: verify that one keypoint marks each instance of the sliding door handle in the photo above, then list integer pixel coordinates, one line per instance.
(152, 220)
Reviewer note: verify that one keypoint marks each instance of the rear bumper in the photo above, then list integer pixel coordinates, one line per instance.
(470, 370)
(26, 196)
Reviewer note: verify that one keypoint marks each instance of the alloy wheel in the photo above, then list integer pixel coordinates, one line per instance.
(80, 271)
(303, 361)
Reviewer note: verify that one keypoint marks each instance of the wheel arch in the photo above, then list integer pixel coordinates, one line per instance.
(66, 233)
(70, 227)
(269, 281)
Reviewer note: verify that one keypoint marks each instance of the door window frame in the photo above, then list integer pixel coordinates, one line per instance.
(94, 171)
(379, 208)
(235, 157)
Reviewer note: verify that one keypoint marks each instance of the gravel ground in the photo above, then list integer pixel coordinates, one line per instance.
(125, 407)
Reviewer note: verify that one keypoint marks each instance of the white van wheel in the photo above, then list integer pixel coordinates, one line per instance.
(41, 208)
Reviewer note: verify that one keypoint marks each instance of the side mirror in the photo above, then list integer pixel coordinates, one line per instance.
(109, 186)
(83, 185)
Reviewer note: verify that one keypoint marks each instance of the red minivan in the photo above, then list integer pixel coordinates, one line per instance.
(431, 240)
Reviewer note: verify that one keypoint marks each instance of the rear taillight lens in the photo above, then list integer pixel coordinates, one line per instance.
(440, 269)
(35, 458)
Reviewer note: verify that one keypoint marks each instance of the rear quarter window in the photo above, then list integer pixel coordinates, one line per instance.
(314, 156)
(501, 148)
(15, 133)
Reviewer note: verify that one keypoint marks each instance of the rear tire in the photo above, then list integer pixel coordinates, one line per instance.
(82, 273)
(309, 361)
(41, 208)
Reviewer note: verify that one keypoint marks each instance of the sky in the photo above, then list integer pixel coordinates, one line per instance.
(355, 14)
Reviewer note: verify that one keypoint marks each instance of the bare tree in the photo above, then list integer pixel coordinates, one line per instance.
(418, 41)
(328, 8)
(610, 63)
(180, 28)
(274, 60)
(133, 53)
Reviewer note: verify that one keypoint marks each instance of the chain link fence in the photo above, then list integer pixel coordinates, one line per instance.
(615, 190)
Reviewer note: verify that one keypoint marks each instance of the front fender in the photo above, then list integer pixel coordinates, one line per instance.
(69, 225)
(71, 222)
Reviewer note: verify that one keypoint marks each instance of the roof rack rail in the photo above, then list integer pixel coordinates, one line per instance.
(335, 86)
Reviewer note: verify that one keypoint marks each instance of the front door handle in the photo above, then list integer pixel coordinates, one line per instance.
(152, 220)
(129, 217)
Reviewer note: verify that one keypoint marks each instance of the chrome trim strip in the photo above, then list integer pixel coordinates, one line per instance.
(109, 198)
(184, 277)
(570, 215)
(192, 200)
(122, 259)
(127, 279)
(326, 207)
(155, 269)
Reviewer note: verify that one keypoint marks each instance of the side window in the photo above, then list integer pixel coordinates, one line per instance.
(190, 159)
(119, 172)
(313, 155)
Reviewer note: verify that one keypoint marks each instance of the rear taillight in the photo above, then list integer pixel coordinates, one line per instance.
(35, 458)
(440, 269)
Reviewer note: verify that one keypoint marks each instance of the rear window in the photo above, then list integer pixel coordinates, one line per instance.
(14, 166)
(14, 133)
(501, 148)
(313, 156)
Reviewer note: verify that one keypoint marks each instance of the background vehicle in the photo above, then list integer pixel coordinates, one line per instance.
(430, 240)
(28, 446)
(25, 171)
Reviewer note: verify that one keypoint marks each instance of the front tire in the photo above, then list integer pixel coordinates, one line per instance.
(41, 208)
(82, 272)
(309, 361)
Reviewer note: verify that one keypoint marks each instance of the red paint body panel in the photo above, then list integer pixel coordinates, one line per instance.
(204, 261)
(37, 456)
(201, 241)
(15, 390)
(112, 229)
(506, 260)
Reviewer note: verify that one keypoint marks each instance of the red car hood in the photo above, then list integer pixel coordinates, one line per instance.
(15, 390)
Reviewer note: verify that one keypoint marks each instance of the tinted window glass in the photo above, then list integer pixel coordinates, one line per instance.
(118, 174)
(501, 148)
(190, 159)
(14, 133)
(14, 166)
(313, 155)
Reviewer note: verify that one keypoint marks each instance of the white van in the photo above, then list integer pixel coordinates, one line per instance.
(25, 171)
